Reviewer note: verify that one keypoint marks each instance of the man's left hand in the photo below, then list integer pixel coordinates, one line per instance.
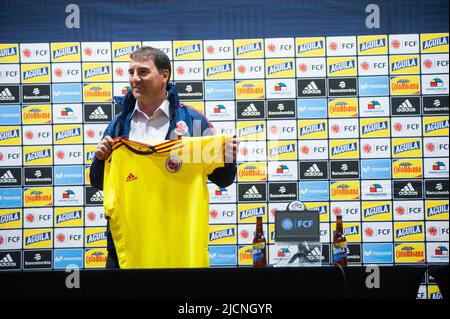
(231, 149)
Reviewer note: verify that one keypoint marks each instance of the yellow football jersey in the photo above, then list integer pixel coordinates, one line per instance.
(157, 200)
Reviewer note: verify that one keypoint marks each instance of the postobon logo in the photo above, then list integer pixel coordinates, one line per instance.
(41, 238)
(310, 46)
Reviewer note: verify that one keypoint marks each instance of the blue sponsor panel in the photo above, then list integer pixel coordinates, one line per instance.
(222, 255)
(69, 175)
(219, 90)
(68, 257)
(313, 191)
(10, 197)
(10, 115)
(67, 93)
(312, 108)
(378, 253)
(373, 86)
(376, 169)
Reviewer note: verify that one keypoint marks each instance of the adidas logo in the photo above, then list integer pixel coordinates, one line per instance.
(311, 88)
(6, 95)
(315, 254)
(251, 110)
(406, 106)
(130, 178)
(280, 107)
(314, 171)
(252, 193)
(408, 190)
(7, 178)
(98, 114)
(437, 102)
(342, 85)
(97, 197)
(36, 91)
(7, 261)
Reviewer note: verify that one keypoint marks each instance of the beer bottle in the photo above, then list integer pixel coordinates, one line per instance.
(339, 243)
(259, 245)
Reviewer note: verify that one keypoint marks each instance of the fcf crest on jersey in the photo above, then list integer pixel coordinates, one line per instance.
(173, 164)
(181, 128)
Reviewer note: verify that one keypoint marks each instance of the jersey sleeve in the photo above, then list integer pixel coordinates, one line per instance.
(213, 152)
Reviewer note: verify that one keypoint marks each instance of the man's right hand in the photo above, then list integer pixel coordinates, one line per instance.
(104, 148)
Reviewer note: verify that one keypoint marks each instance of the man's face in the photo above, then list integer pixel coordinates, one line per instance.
(145, 79)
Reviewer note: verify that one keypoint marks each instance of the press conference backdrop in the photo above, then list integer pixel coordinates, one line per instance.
(350, 118)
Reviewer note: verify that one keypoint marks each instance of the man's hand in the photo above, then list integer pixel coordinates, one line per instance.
(231, 149)
(104, 148)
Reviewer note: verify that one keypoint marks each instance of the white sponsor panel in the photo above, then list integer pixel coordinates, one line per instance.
(404, 43)
(165, 46)
(373, 65)
(246, 232)
(95, 51)
(350, 211)
(68, 154)
(376, 189)
(187, 70)
(68, 237)
(422, 292)
(218, 49)
(10, 156)
(34, 52)
(11, 239)
(120, 71)
(343, 128)
(37, 135)
(222, 214)
(220, 110)
(375, 148)
(273, 208)
(406, 126)
(279, 47)
(436, 167)
(94, 216)
(9, 73)
(282, 130)
(93, 133)
(66, 72)
(252, 151)
(222, 194)
(434, 63)
(435, 146)
(280, 88)
(68, 196)
(313, 149)
(377, 232)
(282, 171)
(249, 69)
(121, 88)
(437, 231)
(408, 210)
(38, 217)
(374, 106)
(341, 46)
(325, 233)
(437, 252)
(435, 84)
(67, 113)
(311, 67)
(225, 128)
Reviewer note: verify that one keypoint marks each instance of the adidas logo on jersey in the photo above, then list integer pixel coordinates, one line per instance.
(7, 261)
(98, 114)
(6, 95)
(97, 197)
(314, 171)
(408, 190)
(251, 111)
(311, 88)
(252, 193)
(130, 178)
(8, 177)
(406, 106)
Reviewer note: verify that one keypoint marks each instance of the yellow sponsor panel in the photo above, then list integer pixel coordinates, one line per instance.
(245, 255)
(252, 172)
(374, 127)
(97, 72)
(95, 257)
(37, 196)
(280, 68)
(249, 212)
(35, 73)
(250, 89)
(97, 92)
(36, 114)
(11, 218)
(69, 216)
(222, 234)
(87, 178)
(346, 190)
(342, 66)
(196, 105)
(251, 130)
(322, 207)
(404, 64)
(67, 134)
(435, 126)
(406, 147)
(437, 210)
(37, 238)
(37, 155)
(281, 150)
(65, 52)
(434, 43)
(410, 253)
(376, 211)
(121, 50)
(219, 70)
(372, 44)
(248, 48)
(9, 53)
(434, 292)
(352, 232)
(409, 231)
(344, 149)
(312, 129)
(10, 135)
(343, 107)
(305, 47)
(271, 235)
(407, 168)
(188, 50)
(89, 153)
(405, 85)
(95, 237)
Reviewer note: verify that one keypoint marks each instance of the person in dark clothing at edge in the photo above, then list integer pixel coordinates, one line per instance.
(151, 110)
